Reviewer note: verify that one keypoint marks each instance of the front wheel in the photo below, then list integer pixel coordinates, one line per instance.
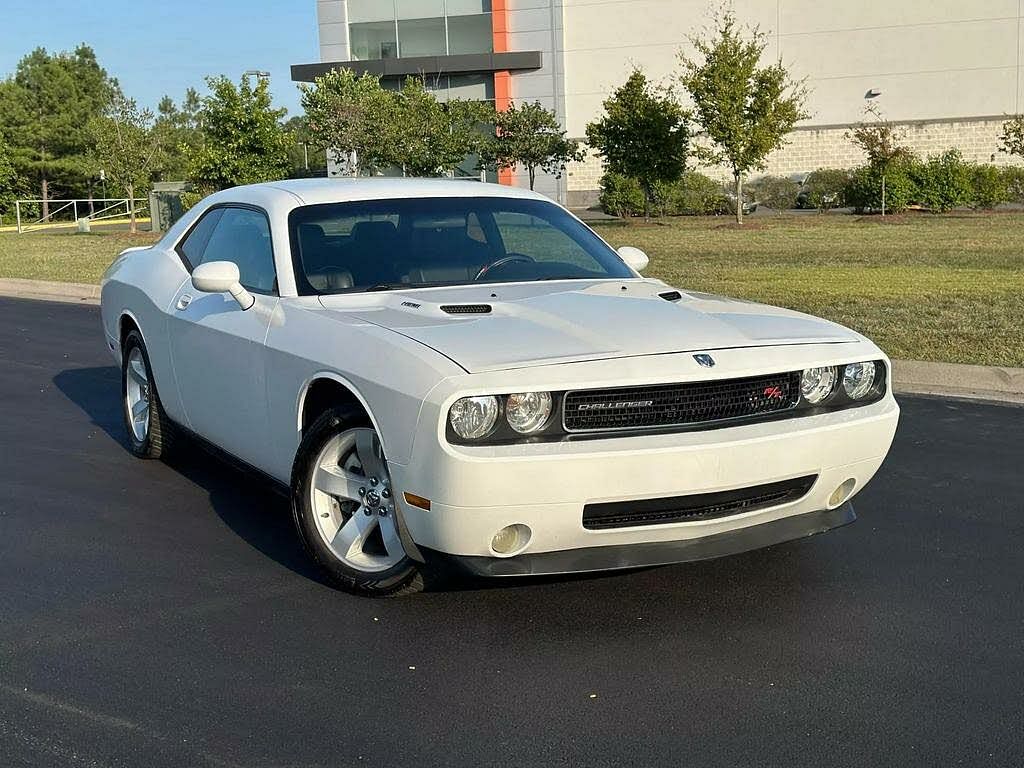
(345, 508)
(149, 430)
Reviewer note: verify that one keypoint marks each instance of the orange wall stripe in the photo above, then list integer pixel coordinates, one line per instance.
(503, 79)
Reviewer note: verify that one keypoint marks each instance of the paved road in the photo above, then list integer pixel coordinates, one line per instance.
(159, 615)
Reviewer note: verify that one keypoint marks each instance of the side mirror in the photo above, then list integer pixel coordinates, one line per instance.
(222, 277)
(634, 257)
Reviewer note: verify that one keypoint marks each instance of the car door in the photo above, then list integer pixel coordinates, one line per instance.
(217, 349)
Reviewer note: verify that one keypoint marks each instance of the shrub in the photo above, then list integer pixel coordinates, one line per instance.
(824, 189)
(621, 195)
(697, 195)
(988, 186)
(776, 192)
(864, 191)
(1013, 182)
(944, 181)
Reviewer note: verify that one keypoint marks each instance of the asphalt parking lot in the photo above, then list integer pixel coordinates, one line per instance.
(164, 615)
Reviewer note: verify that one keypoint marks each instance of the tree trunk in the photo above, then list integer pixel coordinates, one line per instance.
(45, 186)
(739, 197)
(883, 195)
(533, 174)
(131, 208)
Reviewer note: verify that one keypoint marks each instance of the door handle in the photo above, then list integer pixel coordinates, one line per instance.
(184, 300)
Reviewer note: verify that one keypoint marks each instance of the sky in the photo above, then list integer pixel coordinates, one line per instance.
(158, 47)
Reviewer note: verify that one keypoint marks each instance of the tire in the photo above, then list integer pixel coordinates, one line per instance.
(346, 520)
(149, 437)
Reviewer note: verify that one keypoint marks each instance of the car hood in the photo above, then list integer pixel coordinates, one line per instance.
(489, 328)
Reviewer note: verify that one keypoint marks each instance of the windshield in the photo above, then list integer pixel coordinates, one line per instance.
(421, 242)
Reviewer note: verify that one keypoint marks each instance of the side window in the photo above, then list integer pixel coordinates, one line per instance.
(191, 248)
(242, 236)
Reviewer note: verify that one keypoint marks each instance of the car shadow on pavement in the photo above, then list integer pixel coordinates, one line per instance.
(250, 505)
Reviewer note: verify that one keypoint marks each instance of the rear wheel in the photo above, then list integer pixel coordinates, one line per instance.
(345, 508)
(149, 431)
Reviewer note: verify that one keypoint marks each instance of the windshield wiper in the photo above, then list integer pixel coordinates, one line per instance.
(558, 277)
(386, 287)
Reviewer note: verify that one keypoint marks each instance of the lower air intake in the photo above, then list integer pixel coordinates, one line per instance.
(700, 506)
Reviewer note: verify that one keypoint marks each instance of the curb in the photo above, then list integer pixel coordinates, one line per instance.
(975, 382)
(78, 293)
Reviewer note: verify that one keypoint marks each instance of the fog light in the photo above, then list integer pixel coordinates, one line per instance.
(842, 493)
(510, 539)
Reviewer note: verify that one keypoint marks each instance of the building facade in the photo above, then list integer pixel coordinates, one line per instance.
(947, 71)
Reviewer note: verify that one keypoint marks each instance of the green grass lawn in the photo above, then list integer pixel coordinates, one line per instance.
(68, 257)
(924, 287)
(947, 288)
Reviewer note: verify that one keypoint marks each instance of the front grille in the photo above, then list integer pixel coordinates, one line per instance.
(680, 405)
(700, 506)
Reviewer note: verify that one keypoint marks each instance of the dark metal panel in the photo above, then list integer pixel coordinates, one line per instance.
(427, 65)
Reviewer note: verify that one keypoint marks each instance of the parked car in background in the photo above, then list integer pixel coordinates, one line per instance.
(452, 371)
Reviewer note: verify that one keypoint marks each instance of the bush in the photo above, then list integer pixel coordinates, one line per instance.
(776, 192)
(944, 181)
(697, 195)
(988, 187)
(1013, 183)
(864, 191)
(824, 189)
(621, 196)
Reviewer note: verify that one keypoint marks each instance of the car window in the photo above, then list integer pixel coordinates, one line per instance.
(242, 236)
(419, 242)
(525, 234)
(191, 248)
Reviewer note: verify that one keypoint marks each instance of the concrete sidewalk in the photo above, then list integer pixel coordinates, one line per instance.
(980, 382)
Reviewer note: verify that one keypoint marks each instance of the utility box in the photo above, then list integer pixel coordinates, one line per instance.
(165, 205)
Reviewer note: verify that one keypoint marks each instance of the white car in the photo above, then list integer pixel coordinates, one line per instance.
(452, 371)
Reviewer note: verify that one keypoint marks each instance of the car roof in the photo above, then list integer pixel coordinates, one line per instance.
(294, 192)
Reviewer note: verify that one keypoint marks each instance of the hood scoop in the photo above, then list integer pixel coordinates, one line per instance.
(671, 295)
(466, 309)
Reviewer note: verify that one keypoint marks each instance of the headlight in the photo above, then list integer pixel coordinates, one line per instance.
(474, 417)
(858, 378)
(817, 383)
(528, 411)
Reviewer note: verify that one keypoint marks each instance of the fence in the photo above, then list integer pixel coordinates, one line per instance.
(66, 213)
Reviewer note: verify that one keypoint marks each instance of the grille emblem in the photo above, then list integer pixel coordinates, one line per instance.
(705, 360)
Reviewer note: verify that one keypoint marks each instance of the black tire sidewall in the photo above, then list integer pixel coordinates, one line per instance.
(139, 448)
(397, 578)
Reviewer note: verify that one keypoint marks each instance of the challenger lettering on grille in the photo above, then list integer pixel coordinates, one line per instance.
(679, 405)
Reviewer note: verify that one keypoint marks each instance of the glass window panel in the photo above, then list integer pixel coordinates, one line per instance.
(242, 236)
(420, 9)
(421, 37)
(478, 87)
(373, 40)
(370, 10)
(470, 34)
(467, 7)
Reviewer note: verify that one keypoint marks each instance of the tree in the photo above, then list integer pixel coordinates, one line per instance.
(881, 143)
(745, 109)
(9, 181)
(243, 140)
(304, 163)
(1011, 140)
(531, 136)
(126, 147)
(44, 110)
(344, 114)
(179, 133)
(428, 138)
(644, 135)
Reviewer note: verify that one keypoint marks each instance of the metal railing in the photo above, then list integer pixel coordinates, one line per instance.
(66, 213)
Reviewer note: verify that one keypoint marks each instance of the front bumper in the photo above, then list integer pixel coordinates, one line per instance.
(475, 492)
(610, 558)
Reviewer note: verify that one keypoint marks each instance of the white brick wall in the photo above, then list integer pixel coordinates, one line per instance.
(812, 148)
